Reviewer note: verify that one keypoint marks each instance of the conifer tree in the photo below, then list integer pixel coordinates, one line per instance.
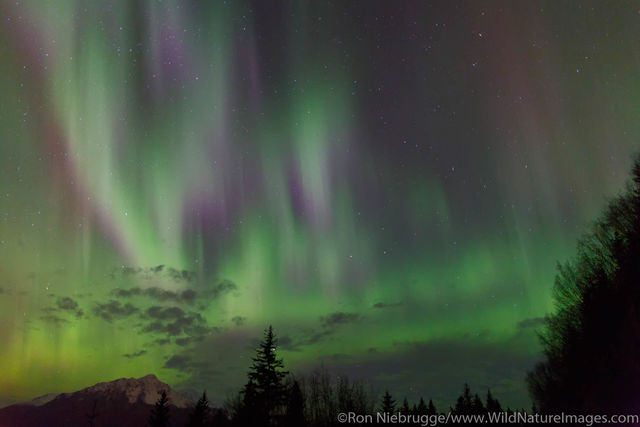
(265, 395)
(477, 406)
(160, 413)
(200, 414)
(405, 406)
(492, 404)
(388, 404)
(431, 409)
(464, 402)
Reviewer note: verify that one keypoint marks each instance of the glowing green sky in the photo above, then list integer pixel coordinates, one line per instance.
(389, 184)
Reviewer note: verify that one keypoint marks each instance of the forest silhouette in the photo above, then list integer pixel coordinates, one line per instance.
(591, 345)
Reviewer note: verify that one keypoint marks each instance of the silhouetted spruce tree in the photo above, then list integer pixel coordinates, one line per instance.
(388, 404)
(431, 409)
(492, 404)
(592, 341)
(265, 395)
(405, 406)
(160, 412)
(294, 416)
(477, 407)
(200, 414)
(464, 403)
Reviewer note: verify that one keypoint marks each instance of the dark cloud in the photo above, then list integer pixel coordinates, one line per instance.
(339, 318)
(181, 275)
(67, 303)
(63, 306)
(129, 271)
(329, 325)
(179, 362)
(221, 288)
(182, 342)
(133, 355)
(317, 336)
(53, 319)
(286, 343)
(164, 313)
(114, 309)
(239, 320)
(387, 305)
(187, 296)
(177, 275)
(532, 322)
(174, 322)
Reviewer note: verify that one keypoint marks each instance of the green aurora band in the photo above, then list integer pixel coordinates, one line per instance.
(267, 162)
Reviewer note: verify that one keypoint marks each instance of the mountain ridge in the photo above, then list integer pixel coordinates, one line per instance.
(122, 402)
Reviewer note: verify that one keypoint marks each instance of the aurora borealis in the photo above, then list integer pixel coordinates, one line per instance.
(390, 184)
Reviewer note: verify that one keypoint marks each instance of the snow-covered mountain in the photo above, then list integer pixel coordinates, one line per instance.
(123, 402)
(144, 390)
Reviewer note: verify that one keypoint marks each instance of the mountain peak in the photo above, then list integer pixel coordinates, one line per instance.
(144, 389)
(125, 402)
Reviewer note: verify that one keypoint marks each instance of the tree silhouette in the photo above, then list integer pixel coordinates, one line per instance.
(388, 404)
(160, 412)
(592, 341)
(464, 404)
(265, 395)
(200, 413)
(492, 404)
(476, 405)
(405, 407)
(431, 409)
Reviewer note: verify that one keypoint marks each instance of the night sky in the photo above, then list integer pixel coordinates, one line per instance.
(390, 184)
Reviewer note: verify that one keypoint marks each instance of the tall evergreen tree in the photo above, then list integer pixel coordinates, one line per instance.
(405, 406)
(492, 404)
(200, 414)
(431, 409)
(590, 342)
(388, 404)
(464, 403)
(160, 412)
(421, 409)
(265, 395)
(477, 407)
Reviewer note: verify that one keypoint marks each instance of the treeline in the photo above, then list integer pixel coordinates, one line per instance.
(273, 397)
